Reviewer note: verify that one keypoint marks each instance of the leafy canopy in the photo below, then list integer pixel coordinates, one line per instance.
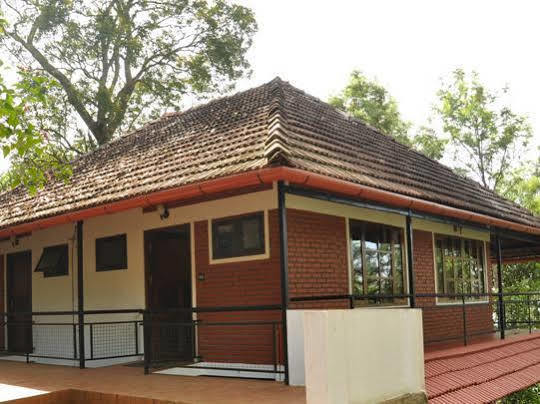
(487, 138)
(522, 185)
(121, 62)
(21, 139)
(370, 102)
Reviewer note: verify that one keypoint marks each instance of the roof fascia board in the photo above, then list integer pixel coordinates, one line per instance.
(291, 176)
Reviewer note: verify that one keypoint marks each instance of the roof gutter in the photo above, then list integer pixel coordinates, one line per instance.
(268, 176)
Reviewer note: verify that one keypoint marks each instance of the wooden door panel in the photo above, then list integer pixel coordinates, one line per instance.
(19, 301)
(169, 288)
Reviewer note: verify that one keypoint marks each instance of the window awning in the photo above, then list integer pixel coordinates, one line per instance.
(483, 372)
(53, 260)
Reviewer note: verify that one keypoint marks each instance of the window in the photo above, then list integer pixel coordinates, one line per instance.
(111, 253)
(377, 261)
(460, 267)
(54, 261)
(238, 236)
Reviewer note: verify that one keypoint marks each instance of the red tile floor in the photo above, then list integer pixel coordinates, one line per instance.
(484, 371)
(478, 373)
(131, 381)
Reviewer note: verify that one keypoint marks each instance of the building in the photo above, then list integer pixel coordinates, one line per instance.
(189, 239)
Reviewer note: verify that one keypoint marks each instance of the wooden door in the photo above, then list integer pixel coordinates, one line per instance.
(19, 301)
(168, 262)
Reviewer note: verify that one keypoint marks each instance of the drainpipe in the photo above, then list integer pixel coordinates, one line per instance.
(282, 212)
(80, 292)
(500, 287)
(410, 260)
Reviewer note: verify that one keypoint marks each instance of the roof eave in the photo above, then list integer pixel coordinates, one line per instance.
(268, 176)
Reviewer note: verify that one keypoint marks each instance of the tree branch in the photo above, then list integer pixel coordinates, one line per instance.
(70, 90)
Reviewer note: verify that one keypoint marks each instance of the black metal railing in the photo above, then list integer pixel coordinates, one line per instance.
(229, 339)
(55, 334)
(225, 338)
(239, 339)
(451, 317)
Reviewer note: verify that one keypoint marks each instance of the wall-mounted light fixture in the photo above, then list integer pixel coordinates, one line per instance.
(14, 240)
(163, 212)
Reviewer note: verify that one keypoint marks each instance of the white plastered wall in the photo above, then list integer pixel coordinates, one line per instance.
(119, 289)
(363, 356)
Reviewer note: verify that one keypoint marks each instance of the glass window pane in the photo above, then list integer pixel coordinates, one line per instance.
(357, 268)
(111, 253)
(398, 270)
(379, 248)
(459, 265)
(252, 233)
(373, 286)
(439, 263)
(54, 261)
(372, 263)
(238, 236)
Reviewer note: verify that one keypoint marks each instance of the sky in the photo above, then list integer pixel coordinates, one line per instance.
(408, 46)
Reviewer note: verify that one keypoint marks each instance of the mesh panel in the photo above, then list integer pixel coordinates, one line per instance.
(113, 339)
(55, 340)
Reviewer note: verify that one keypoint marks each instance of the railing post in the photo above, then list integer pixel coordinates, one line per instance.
(529, 311)
(410, 260)
(274, 348)
(147, 342)
(74, 340)
(282, 211)
(91, 341)
(80, 292)
(193, 339)
(464, 313)
(136, 325)
(500, 287)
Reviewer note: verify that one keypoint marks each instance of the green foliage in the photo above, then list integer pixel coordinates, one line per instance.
(370, 102)
(527, 396)
(427, 142)
(111, 65)
(20, 138)
(522, 185)
(122, 62)
(487, 138)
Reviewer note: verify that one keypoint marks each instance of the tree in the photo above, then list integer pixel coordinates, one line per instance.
(121, 62)
(370, 102)
(21, 139)
(427, 142)
(487, 139)
(523, 186)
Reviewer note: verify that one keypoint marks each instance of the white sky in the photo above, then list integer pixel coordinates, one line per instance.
(407, 45)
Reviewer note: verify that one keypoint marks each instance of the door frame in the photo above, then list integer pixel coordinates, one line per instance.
(187, 229)
(8, 294)
(146, 239)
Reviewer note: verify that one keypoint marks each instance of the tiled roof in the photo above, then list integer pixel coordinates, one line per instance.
(485, 372)
(274, 124)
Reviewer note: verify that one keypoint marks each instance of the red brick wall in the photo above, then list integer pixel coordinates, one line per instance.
(317, 252)
(246, 283)
(441, 322)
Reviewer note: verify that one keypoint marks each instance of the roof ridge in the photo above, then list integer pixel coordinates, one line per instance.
(276, 150)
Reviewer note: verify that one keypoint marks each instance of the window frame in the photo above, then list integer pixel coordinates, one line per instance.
(108, 268)
(441, 301)
(398, 302)
(263, 253)
(48, 274)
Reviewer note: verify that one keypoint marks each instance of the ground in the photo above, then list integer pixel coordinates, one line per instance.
(131, 381)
